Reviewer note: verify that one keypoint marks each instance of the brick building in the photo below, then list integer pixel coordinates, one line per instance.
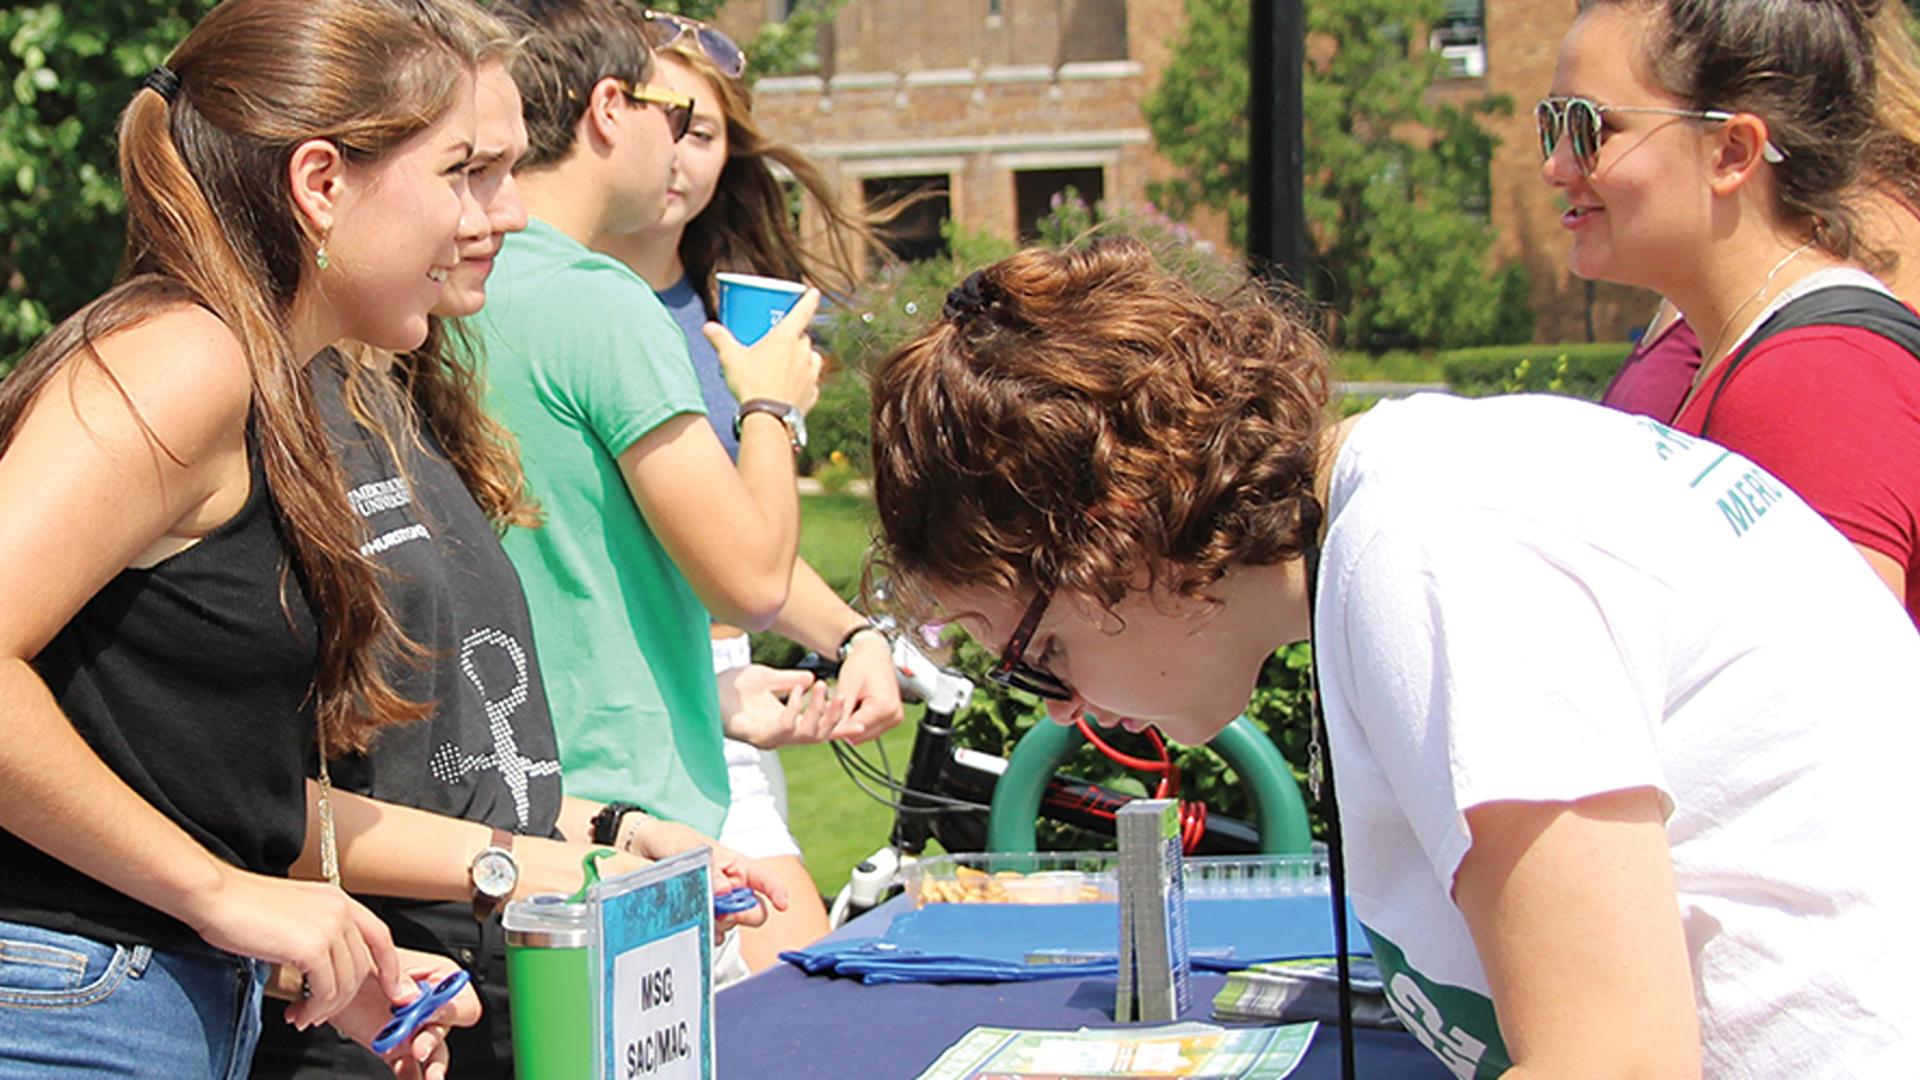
(999, 104)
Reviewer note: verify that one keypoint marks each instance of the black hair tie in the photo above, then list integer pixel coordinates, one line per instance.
(162, 81)
(967, 299)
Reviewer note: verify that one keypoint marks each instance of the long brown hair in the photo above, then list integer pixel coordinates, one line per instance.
(210, 221)
(1893, 154)
(442, 389)
(1081, 420)
(748, 227)
(439, 379)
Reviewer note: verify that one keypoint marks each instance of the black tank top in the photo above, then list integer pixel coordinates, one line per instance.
(190, 679)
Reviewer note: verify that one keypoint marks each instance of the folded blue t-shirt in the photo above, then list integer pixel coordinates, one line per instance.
(999, 942)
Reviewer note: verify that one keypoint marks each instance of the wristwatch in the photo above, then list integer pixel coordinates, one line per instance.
(494, 874)
(796, 422)
(605, 829)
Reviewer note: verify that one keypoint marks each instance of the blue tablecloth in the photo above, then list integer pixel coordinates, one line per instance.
(783, 1024)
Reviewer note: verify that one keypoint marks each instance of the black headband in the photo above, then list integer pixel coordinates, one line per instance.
(162, 81)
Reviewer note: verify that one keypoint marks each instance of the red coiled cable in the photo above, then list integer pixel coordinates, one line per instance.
(1193, 815)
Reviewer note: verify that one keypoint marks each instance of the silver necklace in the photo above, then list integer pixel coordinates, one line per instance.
(1711, 358)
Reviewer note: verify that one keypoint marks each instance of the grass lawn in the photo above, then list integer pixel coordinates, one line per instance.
(835, 531)
(836, 824)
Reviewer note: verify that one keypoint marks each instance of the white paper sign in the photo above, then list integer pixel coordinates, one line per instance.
(657, 996)
(654, 953)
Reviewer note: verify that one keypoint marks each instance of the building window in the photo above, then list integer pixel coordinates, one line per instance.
(1035, 190)
(1460, 37)
(916, 233)
(1091, 31)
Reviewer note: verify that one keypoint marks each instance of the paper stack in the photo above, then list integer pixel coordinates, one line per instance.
(1154, 966)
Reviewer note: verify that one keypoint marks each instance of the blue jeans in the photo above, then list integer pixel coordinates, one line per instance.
(72, 1006)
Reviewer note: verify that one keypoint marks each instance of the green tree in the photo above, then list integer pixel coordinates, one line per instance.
(1396, 185)
(69, 68)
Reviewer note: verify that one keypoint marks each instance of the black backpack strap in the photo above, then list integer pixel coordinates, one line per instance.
(1841, 305)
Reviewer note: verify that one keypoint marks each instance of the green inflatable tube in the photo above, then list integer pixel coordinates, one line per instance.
(1279, 811)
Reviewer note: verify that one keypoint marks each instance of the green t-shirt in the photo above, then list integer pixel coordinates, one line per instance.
(581, 362)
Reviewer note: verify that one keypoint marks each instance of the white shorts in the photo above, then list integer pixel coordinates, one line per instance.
(729, 966)
(756, 824)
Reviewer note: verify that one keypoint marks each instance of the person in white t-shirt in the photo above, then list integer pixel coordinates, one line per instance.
(1616, 718)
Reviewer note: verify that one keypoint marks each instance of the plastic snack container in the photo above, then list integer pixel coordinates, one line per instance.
(1090, 877)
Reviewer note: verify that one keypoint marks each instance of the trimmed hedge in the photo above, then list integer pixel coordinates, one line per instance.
(1577, 370)
(1397, 366)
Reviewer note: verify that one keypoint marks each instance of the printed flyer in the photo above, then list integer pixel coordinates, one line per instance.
(1189, 1051)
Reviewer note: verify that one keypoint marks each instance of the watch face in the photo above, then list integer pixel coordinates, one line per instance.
(797, 427)
(495, 873)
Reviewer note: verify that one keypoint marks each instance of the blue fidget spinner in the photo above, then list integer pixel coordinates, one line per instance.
(408, 1018)
(735, 901)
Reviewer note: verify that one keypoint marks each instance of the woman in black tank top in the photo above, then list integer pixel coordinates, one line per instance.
(188, 622)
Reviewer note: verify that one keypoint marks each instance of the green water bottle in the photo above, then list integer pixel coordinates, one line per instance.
(550, 983)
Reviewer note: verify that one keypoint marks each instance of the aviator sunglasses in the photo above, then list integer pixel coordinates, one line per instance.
(716, 46)
(1579, 119)
(678, 107)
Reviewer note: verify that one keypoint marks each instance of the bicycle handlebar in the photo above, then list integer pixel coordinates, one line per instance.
(944, 692)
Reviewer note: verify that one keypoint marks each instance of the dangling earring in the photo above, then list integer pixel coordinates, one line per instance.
(320, 255)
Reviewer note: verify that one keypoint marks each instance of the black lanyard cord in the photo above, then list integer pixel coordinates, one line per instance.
(1320, 778)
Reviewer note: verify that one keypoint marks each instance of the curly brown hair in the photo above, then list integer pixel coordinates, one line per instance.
(1082, 421)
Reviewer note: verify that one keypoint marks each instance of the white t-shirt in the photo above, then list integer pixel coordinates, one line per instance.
(1533, 598)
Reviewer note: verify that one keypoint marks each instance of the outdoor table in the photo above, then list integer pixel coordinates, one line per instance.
(788, 1025)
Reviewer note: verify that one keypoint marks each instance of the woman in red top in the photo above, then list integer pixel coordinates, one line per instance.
(1706, 149)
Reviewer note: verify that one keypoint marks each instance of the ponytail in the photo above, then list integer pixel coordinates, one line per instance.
(210, 223)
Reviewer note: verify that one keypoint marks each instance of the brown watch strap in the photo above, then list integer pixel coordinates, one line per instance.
(779, 410)
(483, 905)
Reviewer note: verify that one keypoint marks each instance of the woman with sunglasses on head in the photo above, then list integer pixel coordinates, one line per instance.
(1715, 151)
(726, 210)
(1590, 823)
(198, 625)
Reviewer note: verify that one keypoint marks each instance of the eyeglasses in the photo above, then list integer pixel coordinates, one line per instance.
(678, 107)
(1579, 118)
(716, 46)
(1013, 672)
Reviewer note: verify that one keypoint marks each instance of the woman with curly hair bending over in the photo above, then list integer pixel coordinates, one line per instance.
(1563, 656)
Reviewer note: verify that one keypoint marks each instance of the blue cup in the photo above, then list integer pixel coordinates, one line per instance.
(750, 305)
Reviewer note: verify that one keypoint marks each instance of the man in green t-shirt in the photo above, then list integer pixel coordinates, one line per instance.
(591, 374)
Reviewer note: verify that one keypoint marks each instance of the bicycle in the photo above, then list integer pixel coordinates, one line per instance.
(971, 801)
